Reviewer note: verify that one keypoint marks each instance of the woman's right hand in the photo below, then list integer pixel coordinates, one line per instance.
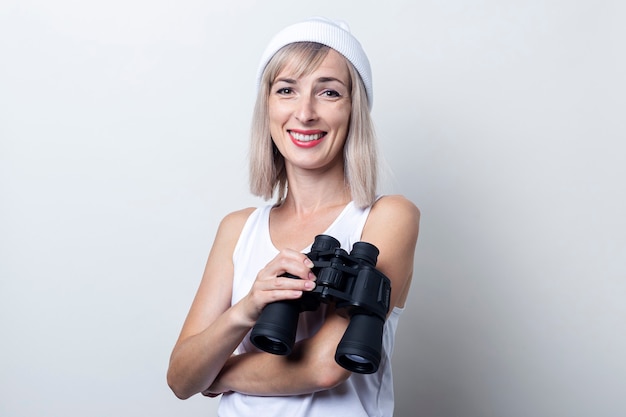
(270, 284)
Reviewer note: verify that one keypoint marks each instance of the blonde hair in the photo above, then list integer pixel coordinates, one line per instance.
(267, 165)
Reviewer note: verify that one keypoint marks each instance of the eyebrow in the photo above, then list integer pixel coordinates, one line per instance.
(285, 80)
(330, 79)
(319, 80)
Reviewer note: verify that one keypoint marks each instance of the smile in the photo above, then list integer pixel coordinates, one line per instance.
(306, 139)
(302, 137)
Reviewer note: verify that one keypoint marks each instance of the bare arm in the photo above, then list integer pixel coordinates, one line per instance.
(197, 356)
(309, 368)
(213, 328)
(393, 227)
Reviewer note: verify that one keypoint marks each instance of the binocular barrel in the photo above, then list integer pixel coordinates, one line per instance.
(275, 330)
(350, 280)
(361, 344)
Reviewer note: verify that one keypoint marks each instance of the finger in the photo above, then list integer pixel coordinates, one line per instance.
(280, 283)
(294, 263)
(269, 289)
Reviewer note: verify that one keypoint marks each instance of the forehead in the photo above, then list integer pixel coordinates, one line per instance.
(332, 65)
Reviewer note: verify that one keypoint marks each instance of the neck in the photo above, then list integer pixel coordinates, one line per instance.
(308, 192)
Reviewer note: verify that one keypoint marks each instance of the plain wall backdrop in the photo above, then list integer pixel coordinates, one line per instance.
(123, 142)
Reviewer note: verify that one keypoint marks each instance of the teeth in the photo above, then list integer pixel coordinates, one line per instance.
(306, 138)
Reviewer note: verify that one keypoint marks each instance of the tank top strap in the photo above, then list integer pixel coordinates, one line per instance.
(348, 226)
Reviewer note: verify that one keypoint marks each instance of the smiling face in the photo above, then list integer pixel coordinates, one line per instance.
(309, 114)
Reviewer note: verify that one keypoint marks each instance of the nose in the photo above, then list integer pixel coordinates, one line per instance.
(305, 111)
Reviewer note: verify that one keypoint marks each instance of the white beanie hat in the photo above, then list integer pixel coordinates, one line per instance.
(335, 34)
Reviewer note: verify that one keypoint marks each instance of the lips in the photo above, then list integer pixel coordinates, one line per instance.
(306, 139)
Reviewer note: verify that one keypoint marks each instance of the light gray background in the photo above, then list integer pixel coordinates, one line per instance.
(124, 126)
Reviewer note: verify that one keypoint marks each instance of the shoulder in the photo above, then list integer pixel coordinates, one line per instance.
(395, 202)
(394, 211)
(237, 218)
(232, 224)
(393, 225)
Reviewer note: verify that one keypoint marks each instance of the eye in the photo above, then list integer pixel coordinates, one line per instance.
(331, 93)
(284, 91)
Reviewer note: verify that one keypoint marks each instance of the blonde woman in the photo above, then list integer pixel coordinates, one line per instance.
(313, 151)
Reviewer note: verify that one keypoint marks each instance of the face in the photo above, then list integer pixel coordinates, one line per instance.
(310, 115)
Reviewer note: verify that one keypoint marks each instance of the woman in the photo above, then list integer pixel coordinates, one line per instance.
(313, 147)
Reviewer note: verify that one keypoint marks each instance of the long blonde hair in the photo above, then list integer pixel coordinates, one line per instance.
(267, 165)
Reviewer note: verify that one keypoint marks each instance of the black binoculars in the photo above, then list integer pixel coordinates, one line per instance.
(353, 283)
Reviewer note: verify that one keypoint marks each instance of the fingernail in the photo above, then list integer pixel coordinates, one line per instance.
(312, 276)
(309, 285)
(309, 263)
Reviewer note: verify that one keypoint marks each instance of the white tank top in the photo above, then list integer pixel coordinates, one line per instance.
(368, 395)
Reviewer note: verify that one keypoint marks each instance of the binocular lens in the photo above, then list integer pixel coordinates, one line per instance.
(272, 345)
(356, 358)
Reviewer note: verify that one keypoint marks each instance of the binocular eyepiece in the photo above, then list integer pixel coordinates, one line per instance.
(353, 283)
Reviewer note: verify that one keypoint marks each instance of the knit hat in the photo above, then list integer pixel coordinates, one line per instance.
(335, 34)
